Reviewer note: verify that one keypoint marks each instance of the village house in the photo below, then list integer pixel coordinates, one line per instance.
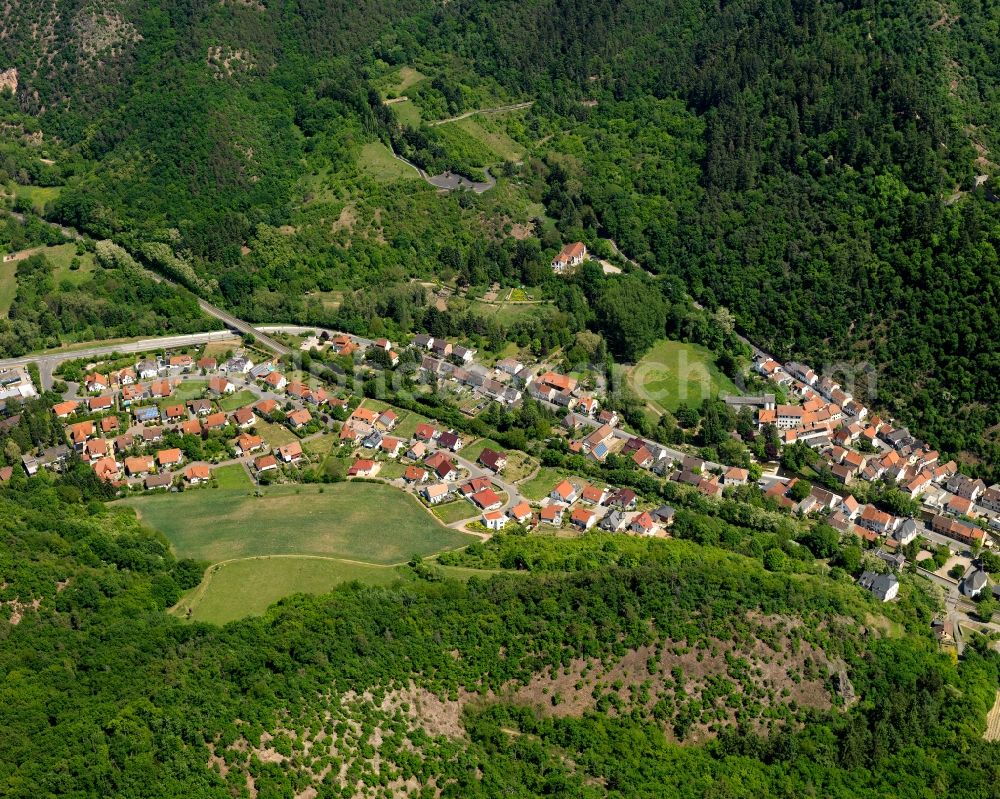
(594, 495)
(109, 424)
(63, 410)
(583, 519)
(417, 451)
(265, 463)
(173, 413)
(487, 499)
(391, 446)
(442, 466)
(968, 534)
(520, 513)
(494, 520)
(570, 256)
(244, 418)
(565, 492)
(299, 418)
(552, 514)
(451, 441)
(884, 587)
(436, 493)
(107, 469)
(414, 474)
(247, 443)
(155, 482)
(386, 420)
(214, 421)
(266, 407)
(425, 432)
(180, 363)
(190, 427)
(197, 473)
(364, 467)
(291, 452)
(99, 404)
(96, 383)
(877, 521)
(735, 476)
(493, 460)
(643, 524)
(200, 407)
(138, 464)
(167, 458)
(624, 499)
(276, 381)
(147, 370)
(423, 341)
(221, 385)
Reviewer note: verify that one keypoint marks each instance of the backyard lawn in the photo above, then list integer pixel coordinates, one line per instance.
(233, 477)
(541, 484)
(238, 400)
(456, 511)
(519, 464)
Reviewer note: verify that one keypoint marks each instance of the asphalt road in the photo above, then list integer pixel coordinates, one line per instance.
(47, 362)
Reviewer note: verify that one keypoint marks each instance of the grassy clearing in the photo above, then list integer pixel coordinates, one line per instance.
(238, 400)
(407, 112)
(8, 285)
(247, 587)
(456, 511)
(673, 373)
(61, 258)
(408, 76)
(232, 477)
(216, 349)
(502, 145)
(542, 483)
(378, 163)
(368, 522)
(38, 196)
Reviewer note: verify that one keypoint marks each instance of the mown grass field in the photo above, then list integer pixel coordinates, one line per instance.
(376, 161)
(247, 587)
(8, 285)
(232, 477)
(355, 521)
(672, 373)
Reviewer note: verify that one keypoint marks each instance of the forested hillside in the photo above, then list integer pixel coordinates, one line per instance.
(817, 169)
(582, 677)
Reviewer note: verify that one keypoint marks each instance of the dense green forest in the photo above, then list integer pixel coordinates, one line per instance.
(106, 695)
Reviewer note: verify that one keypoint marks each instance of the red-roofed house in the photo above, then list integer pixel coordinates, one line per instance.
(583, 518)
(569, 256)
(364, 467)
